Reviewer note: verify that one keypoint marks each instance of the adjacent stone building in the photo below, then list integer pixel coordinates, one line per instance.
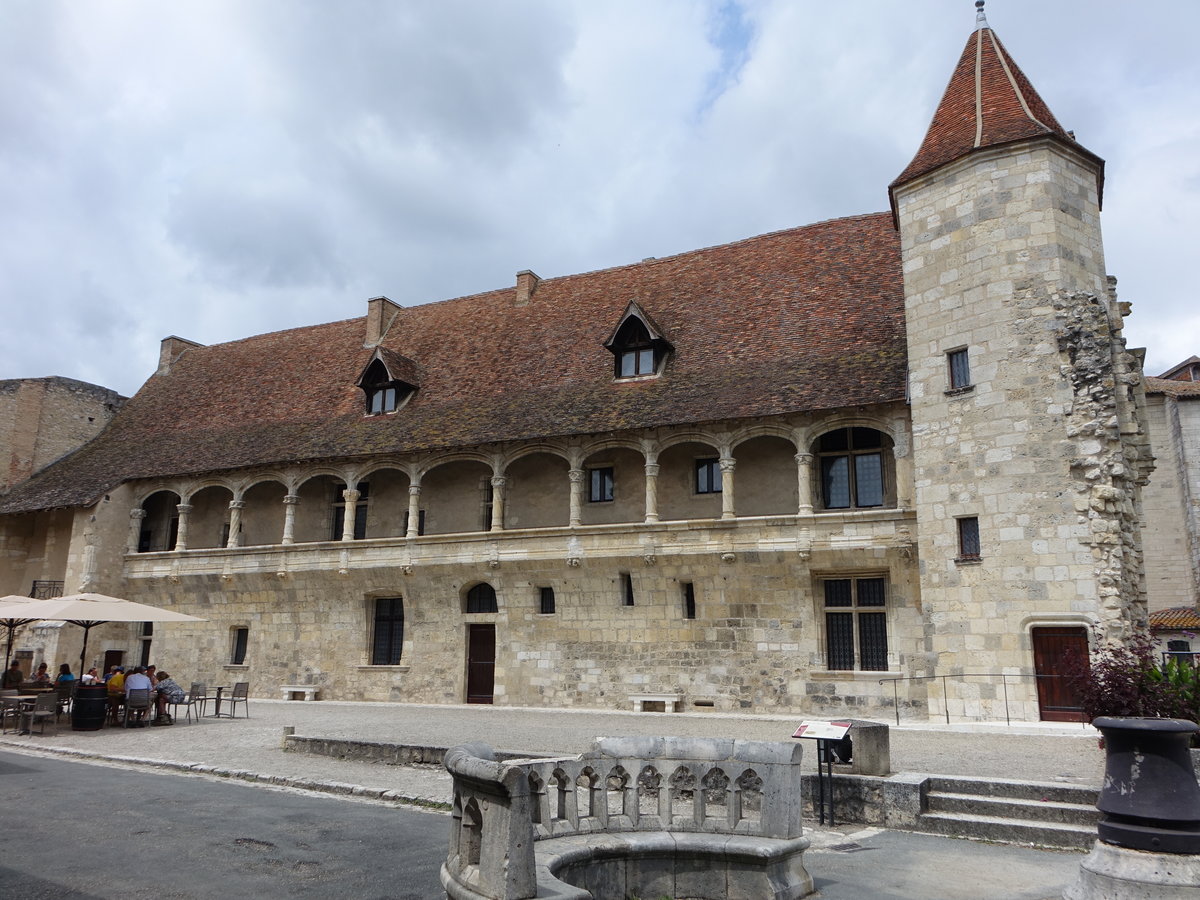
(805, 471)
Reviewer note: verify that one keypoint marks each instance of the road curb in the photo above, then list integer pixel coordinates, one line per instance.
(336, 788)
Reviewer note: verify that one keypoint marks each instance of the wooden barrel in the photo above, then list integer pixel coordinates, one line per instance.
(90, 707)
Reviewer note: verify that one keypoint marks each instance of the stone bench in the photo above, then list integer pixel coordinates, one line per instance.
(669, 701)
(308, 690)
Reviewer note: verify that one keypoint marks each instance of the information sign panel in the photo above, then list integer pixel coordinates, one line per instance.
(830, 731)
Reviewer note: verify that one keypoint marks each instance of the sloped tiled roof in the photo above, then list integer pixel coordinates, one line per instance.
(1172, 388)
(1176, 617)
(1177, 370)
(806, 319)
(988, 102)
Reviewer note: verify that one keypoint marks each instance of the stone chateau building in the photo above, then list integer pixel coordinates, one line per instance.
(801, 472)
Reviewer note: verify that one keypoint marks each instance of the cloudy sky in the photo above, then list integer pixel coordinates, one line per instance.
(219, 169)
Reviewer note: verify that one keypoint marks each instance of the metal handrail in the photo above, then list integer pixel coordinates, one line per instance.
(1003, 676)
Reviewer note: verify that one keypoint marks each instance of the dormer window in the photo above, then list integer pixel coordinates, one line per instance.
(637, 346)
(383, 388)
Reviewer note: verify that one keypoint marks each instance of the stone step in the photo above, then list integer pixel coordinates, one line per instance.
(1054, 792)
(1040, 810)
(1007, 830)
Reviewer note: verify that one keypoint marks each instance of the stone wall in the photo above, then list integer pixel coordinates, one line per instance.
(1171, 502)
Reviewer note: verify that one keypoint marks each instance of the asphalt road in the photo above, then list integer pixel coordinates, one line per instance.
(77, 831)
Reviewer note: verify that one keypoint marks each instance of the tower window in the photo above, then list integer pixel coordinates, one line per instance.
(689, 600)
(546, 601)
(856, 624)
(959, 367)
(968, 538)
(387, 638)
(482, 599)
(626, 589)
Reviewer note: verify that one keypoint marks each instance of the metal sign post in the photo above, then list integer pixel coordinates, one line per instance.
(826, 734)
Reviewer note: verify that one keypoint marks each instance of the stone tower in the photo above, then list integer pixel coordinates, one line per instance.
(1026, 407)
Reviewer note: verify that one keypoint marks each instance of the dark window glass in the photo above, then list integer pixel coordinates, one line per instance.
(852, 472)
(382, 393)
(840, 638)
(481, 599)
(600, 485)
(857, 624)
(240, 638)
(546, 606)
(689, 600)
(360, 513)
(960, 369)
(388, 638)
(1179, 646)
(708, 476)
(968, 538)
(626, 589)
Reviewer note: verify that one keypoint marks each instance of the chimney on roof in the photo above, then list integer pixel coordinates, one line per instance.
(171, 349)
(381, 312)
(527, 282)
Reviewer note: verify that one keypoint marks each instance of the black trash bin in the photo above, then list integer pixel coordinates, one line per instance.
(89, 707)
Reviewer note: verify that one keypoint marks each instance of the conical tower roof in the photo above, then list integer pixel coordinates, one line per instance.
(988, 102)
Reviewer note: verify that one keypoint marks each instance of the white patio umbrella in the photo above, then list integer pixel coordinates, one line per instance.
(12, 619)
(88, 611)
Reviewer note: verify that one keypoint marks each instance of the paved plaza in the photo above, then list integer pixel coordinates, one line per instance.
(842, 860)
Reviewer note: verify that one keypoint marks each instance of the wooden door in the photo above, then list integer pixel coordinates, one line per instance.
(481, 663)
(111, 658)
(1051, 647)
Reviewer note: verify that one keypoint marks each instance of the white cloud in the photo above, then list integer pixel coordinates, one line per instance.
(217, 169)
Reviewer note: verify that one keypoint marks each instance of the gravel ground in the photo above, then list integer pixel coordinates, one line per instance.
(245, 746)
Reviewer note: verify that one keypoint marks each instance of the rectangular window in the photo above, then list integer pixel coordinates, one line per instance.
(856, 624)
(420, 521)
(546, 601)
(360, 513)
(241, 637)
(388, 635)
(637, 362)
(959, 367)
(626, 589)
(708, 476)
(489, 497)
(689, 600)
(600, 485)
(968, 538)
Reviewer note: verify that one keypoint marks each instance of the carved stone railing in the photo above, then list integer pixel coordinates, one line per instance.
(630, 817)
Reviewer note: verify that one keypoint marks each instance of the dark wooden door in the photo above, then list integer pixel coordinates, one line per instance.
(1051, 648)
(112, 658)
(481, 663)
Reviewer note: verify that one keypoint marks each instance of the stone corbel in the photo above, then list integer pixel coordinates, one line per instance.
(573, 562)
(649, 559)
(729, 556)
(493, 563)
(407, 569)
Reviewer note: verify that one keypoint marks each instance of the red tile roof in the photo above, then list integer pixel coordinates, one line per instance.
(1172, 388)
(1176, 617)
(806, 319)
(988, 102)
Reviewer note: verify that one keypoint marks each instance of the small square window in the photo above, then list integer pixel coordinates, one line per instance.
(959, 367)
(546, 601)
(708, 476)
(968, 538)
(600, 485)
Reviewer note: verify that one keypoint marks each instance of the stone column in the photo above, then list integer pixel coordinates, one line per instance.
(804, 483)
(904, 477)
(349, 513)
(181, 533)
(414, 511)
(289, 518)
(728, 464)
(135, 529)
(651, 491)
(235, 522)
(498, 482)
(577, 477)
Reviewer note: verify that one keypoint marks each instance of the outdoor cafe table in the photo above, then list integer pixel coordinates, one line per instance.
(216, 713)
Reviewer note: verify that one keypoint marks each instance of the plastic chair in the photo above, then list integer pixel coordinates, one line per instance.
(241, 694)
(199, 693)
(188, 702)
(137, 705)
(45, 707)
(65, 691)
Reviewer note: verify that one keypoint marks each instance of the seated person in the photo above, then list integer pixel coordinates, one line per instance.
(13, 676)
(168, 692)
(135, 681)
(64, 674)
(42, 675)
(116, 691)
(91, 676)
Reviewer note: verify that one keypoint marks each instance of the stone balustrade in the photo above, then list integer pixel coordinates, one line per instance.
(652, 817)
